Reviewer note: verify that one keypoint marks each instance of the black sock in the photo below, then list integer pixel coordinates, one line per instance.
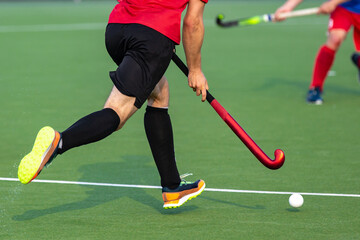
(160, 136)
(90, 128)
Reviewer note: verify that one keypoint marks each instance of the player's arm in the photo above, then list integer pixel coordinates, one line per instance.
(329, 6)
(288, 6)
(193, 36)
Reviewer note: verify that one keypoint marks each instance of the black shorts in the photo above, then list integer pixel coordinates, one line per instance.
(142, 55)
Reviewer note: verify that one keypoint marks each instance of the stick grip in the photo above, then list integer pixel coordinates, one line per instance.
(185, 70)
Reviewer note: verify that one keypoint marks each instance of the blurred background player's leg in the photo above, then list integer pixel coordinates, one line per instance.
(339, 25)
(356, 37)
(356, 60)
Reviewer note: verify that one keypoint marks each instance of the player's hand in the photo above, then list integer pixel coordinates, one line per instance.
(278, 12)
(327, 7)
(197, 81)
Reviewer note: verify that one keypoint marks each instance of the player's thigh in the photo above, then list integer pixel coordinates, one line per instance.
(340, 18)
(356, 39)
(115, 41)
(356, 32)
(340, 23)
(148, 54)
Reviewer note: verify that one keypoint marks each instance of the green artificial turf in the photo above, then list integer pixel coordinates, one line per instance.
(54, 70)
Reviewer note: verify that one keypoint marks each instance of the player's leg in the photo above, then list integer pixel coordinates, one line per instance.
(356, 37)
(323, 63)
(95, 126)
(98, 125)
(355, 57)
(89, 129)
(118, 108)
(122, 103)
(153, 52)
(339, 25)
(160, 136)
(159, 133)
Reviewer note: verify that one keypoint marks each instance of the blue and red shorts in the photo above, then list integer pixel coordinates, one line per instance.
(342, 18)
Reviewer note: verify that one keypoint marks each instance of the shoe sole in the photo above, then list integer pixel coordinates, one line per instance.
(185, 199)
(45, 144)
(317, 102)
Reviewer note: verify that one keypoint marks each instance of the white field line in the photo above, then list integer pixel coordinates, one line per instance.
(52, 27)
(101, 26)
(206, 189)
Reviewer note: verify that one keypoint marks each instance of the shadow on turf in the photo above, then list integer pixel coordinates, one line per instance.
(257, 207)
(133, 170)
(292, 210)
(272, 82)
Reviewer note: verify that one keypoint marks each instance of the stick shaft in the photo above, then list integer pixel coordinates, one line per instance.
(299, 13)
(247, 140)
(263, 18)
(237, 129)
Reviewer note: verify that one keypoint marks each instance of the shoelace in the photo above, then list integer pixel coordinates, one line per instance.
(183, 176)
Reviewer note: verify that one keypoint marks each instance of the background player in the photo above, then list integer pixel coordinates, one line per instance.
(344, 14)
(140, 38)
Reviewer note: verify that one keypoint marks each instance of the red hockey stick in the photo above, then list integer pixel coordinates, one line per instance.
(237, 129)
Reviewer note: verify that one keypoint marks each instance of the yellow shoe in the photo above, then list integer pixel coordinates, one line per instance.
(174, 198)
(43, 152)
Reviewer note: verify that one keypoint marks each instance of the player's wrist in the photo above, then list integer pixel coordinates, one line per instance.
(195, 71)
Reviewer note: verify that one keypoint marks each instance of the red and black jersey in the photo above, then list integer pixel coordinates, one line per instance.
(162, 15)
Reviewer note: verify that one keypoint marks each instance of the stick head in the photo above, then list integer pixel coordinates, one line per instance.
(278, 161)
(220, 21)
(220, 17)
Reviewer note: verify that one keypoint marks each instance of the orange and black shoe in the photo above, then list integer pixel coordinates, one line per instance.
(43, 152)
(174, 198)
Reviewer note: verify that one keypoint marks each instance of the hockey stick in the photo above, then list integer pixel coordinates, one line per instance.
(236, 128)
(262, 18)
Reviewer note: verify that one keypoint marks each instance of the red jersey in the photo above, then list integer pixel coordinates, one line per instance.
(163, 16)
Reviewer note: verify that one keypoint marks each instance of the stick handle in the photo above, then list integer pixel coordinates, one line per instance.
(298, 13)
(185, 70)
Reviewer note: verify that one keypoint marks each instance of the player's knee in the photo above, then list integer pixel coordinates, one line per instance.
(335, 41)
(160, 95)
(121, 122)
(122, 114)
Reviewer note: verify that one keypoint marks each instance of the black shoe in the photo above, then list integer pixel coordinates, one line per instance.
(355, 60)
